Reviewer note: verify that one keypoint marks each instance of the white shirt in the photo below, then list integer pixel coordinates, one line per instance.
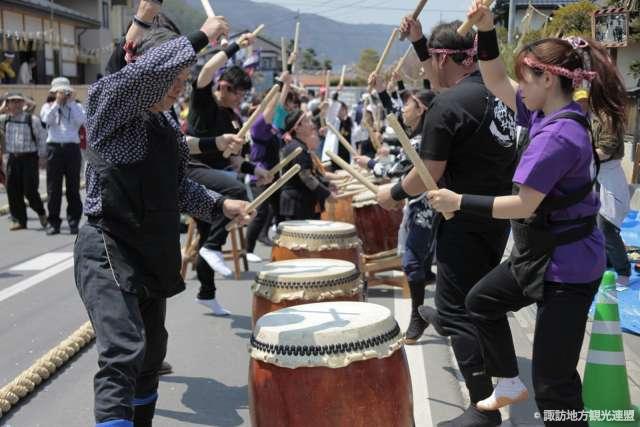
(63, 122)
(25, 76)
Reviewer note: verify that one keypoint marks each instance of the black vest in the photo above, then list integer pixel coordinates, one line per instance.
(140, 217)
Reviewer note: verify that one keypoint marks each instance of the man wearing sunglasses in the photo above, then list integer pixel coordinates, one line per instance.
(213, 114)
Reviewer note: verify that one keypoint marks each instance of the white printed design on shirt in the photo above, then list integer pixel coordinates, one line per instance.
(503, 125)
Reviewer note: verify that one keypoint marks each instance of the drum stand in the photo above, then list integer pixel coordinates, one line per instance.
(237, 252)
(388, 261)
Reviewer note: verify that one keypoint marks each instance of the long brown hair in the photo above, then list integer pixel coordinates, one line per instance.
(607, 95)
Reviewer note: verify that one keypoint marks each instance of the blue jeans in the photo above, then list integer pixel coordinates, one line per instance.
(419, 225)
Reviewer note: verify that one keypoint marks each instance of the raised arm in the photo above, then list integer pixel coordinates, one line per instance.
(494, 72)
(119, 98)
(219, 59)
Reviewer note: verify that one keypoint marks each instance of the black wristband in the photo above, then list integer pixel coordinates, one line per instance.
(426, 84)
(488, 48)
(477, 205)
(156, 1)
(401, 85)
(422, 49)
(140, 23)
(290, 68)
(280, 83)
(198, 40)
(231, 49)
(398, 193)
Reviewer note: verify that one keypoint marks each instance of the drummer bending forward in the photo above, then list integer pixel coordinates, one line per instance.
(304, 195)
(127, 258)
(558, 256)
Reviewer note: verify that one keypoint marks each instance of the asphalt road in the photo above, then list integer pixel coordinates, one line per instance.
(39, 307)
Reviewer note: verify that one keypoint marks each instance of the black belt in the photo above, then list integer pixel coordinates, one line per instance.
(18, 155)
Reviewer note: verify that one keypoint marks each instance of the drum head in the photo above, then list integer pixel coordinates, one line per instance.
(310, 279)
(366, 198)
(314, 235)
(329, 334)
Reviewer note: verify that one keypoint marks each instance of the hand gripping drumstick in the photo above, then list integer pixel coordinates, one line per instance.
(268, 193)
(466, 26)
(247, 125)
(387, 48)
(284, 162)
(411, 153)
(346, 166)
(211, 14)
(342, 140)
(415, 15)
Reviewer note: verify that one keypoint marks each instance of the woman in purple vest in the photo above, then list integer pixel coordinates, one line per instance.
(558, 256)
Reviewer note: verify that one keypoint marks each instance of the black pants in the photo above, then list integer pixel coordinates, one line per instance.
(131, 338)
(214, 235)
(616, 252)
(63, 161)
(560, 325)
(264, 217)
(463, 258)
(23, 180)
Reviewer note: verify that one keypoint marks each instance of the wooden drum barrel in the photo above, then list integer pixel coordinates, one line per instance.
(376, 227)
(338, 364)
(283, 284)
(316, 239)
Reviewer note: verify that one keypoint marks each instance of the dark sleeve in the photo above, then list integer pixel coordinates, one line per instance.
(441, 127)
(335, 96)
(201, 97)
(247, 167)
(386, 101)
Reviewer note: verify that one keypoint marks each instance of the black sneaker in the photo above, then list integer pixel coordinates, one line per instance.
(473, 417)
(430, 316)
(265, 241)
(416, 328)
(165, 369)
(51, 230)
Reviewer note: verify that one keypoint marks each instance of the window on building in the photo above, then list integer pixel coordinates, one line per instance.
(105, 14)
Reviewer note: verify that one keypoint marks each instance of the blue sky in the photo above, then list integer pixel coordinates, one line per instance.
(377, 11)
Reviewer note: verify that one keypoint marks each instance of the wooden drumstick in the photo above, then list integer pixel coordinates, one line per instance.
(404, 58)
(211, 14)
(344, 70)
(255, 204)
(387, 48)
(467, 25)
(327, 85)
(284, 162)
(415, 15)
(342, 140)
(296, 37)
(411, 153)
(283, 53)
(357, 175)
(247, 125)
(258, 30)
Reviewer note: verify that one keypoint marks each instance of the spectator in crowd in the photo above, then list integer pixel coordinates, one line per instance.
(25, 74)
(25, 144)
(63, 118)
(7, 74)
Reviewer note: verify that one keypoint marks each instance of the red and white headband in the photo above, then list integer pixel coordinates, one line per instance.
(471, 52)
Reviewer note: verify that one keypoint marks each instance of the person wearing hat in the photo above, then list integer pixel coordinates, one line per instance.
(25, 144)
(614, 192)
(63, 118)
(7, 74)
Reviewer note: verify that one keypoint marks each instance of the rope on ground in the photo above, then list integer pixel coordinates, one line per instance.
(44, 367)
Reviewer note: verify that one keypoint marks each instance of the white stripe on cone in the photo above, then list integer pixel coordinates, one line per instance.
(606, 327)
(611, 358)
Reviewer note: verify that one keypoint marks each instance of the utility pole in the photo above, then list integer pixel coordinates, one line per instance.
(512, 21)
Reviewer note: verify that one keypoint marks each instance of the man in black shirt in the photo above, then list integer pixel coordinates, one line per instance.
(468, 146)
(212, 114)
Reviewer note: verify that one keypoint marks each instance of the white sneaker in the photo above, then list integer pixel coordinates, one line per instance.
(215, 306)
(273, 232)
(507, 392)
(620, 287)
(215, 259)
(251, 257)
